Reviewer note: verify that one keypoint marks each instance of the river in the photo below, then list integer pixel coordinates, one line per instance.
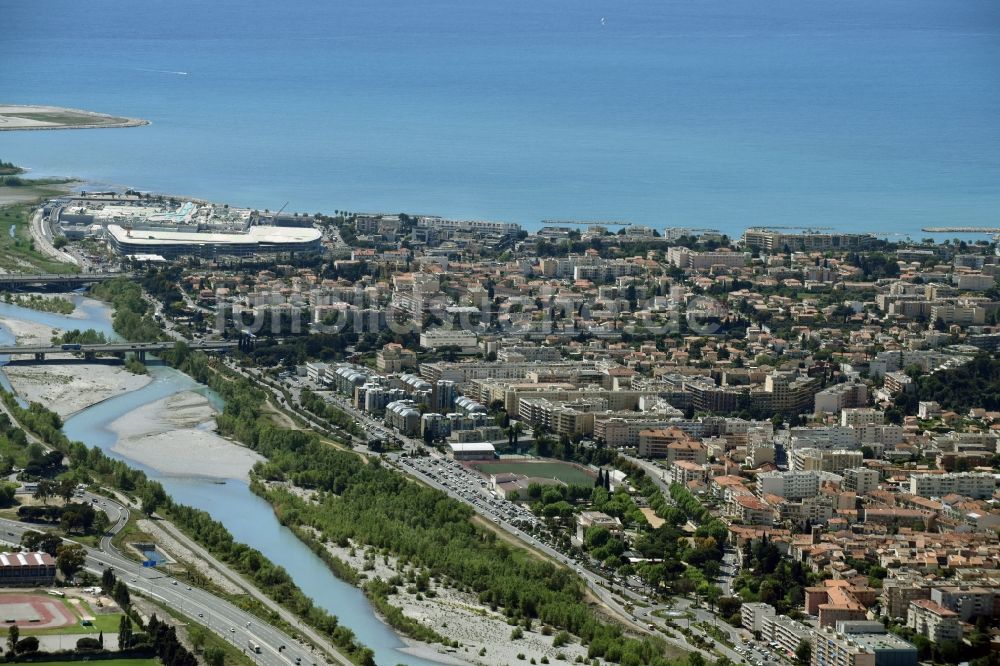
(248, 517)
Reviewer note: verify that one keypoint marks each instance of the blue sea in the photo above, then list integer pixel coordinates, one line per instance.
(874, 115)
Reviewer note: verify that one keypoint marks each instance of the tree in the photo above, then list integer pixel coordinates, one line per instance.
(29, 644)
(803, 653)
(120, 594)
(153, 496)
(44, 542)
(7, 493)
(13, 633)
(46, 488)
(78, 516)
(124, 633)
(108, 581)
(87, 643)
(65, 489)
(70, 559)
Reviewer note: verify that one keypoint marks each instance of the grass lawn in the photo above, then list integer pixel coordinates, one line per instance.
(107, 623)
(568, 474)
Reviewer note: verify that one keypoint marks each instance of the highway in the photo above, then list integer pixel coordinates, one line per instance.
(221, 617)
(42, 235)
(637, 611)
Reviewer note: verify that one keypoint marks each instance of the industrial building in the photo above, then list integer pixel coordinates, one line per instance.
(27, 569)
(472, 451)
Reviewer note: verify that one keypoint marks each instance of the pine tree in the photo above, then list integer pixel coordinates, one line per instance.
(125, 632)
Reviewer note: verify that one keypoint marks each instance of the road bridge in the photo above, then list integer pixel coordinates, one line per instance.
(13, 280)
(140, 349)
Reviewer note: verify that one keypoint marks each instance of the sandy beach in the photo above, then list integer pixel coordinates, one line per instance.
(171, 433)
(459, 616)
(38, 117)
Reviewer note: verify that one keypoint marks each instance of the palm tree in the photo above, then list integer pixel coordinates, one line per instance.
(517, 428)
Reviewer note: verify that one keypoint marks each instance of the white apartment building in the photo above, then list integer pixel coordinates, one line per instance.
(817, 460)
(933, 621)
(967, 484)
(684, 471)
(968, 602)
(786, 632)
(439, 337)
(861, 480)
(752, 615)
(790, 485)
(859, 416)
(840, 396)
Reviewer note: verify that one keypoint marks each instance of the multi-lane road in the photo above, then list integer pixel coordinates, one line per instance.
(630, 605)
(241, 628)
(223, 618)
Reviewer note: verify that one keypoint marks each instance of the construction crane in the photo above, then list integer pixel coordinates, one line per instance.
(274, 217)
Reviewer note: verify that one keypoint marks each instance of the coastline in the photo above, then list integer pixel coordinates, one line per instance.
(101, 120)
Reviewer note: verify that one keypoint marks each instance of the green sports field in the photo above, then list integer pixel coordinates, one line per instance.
(568, 474)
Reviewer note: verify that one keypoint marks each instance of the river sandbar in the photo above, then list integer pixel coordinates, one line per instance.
(66, 389)
(176, 436)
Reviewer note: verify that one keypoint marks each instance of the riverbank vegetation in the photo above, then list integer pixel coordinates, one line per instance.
(132, 317)
(41, 303)
(76, 336)
(376, 506)
(90, 465)
(135, 366)
(370, 504)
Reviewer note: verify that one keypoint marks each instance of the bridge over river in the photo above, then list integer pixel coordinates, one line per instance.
(140, 349)
(65, 280)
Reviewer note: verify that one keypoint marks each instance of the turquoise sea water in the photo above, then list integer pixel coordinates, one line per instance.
(859, 114)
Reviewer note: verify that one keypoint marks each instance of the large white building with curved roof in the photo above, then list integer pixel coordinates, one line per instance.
(256, 240)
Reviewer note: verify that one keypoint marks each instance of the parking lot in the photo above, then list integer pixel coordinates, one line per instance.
(473, 488)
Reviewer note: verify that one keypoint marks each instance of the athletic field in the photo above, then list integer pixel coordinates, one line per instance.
(543, 469)
(35, 611)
